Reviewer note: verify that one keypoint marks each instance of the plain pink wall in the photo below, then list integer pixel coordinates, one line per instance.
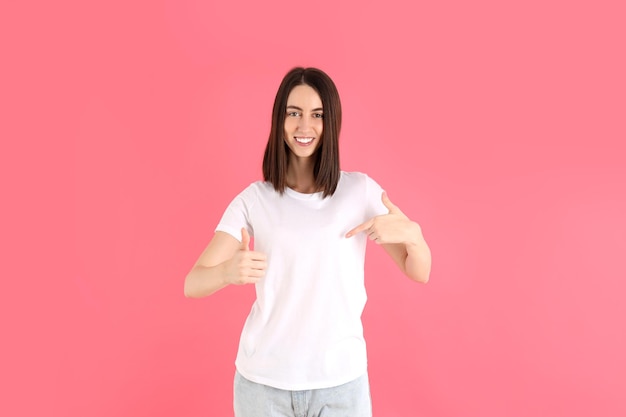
(128, 126)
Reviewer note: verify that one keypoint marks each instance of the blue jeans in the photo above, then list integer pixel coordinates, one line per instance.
(347, 400)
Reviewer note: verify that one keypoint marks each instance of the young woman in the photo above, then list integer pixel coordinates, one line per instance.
(302, 351)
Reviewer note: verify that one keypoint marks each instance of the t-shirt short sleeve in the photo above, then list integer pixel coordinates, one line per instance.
(237, 214)
(375, 206)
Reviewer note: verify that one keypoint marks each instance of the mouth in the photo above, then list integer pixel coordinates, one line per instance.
(303, 140)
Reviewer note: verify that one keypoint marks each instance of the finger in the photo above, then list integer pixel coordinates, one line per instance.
(256, 273)
(387, 202)
(256, 256)
(260, 268)
(248, 280)
(360, 228)
(248, 264)
(253, 264)
(245, 239)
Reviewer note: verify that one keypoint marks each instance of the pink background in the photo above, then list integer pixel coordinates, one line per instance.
(128, 126)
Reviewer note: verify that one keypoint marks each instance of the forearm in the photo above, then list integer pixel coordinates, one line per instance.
(411, 254)
(418, 261)
(203, 281)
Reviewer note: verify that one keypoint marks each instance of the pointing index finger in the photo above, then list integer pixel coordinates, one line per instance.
(360, 228)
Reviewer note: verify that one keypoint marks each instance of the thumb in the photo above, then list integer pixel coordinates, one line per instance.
(387, 202)
(245, 239)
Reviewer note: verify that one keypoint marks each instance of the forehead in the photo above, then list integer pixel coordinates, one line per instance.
(304, 96)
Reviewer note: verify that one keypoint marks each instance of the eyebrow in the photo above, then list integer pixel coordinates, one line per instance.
(298, 108)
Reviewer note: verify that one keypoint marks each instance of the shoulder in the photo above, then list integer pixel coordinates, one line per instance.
(357, 178)
(257, 190)
(257, 187)
(261, 188)
(353, 176)
(359, 183)
(251, 193)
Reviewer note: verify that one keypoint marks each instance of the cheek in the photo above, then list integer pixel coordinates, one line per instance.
(289, 126)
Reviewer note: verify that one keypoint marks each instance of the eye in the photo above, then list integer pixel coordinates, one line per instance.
(318, 115)
(293, 114)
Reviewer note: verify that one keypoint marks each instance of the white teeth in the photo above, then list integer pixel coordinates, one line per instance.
(304, 140)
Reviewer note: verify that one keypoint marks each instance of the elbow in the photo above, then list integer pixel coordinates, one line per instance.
(190, 294)
(422, 279)
(421, 275)
(193, 287)
(187, 290)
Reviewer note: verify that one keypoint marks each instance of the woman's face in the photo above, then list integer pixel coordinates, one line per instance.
(304, 121)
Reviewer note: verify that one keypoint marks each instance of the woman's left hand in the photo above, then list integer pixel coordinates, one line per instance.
(394, 227)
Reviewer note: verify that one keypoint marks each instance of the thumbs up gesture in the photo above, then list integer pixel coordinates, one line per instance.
(245, 240)
(246, 266)
(394, 227)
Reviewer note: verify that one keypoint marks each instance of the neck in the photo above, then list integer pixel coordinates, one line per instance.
(300, 175)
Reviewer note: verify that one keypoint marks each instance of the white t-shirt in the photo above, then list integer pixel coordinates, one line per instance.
(304, 330)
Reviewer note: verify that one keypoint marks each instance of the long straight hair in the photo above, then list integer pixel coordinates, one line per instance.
(326, 169)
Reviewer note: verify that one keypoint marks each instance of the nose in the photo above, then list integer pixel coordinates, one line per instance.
(303, 123)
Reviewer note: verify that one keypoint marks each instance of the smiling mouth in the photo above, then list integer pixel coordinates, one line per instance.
(304, 140)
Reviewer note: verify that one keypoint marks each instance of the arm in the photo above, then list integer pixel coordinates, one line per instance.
(412, 257)
(401, 238)
(225, 261)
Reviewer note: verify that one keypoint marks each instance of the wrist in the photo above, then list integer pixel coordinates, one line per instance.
(414, 235)
(222, 270)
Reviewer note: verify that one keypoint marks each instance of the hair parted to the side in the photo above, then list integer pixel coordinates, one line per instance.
(276, 158)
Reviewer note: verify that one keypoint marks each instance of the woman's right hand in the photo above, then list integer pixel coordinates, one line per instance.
(225, 261)
(246, 266)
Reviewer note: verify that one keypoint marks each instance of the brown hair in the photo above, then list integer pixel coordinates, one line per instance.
(326, 170)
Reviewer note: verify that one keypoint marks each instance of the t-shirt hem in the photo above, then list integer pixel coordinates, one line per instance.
(302, 386)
